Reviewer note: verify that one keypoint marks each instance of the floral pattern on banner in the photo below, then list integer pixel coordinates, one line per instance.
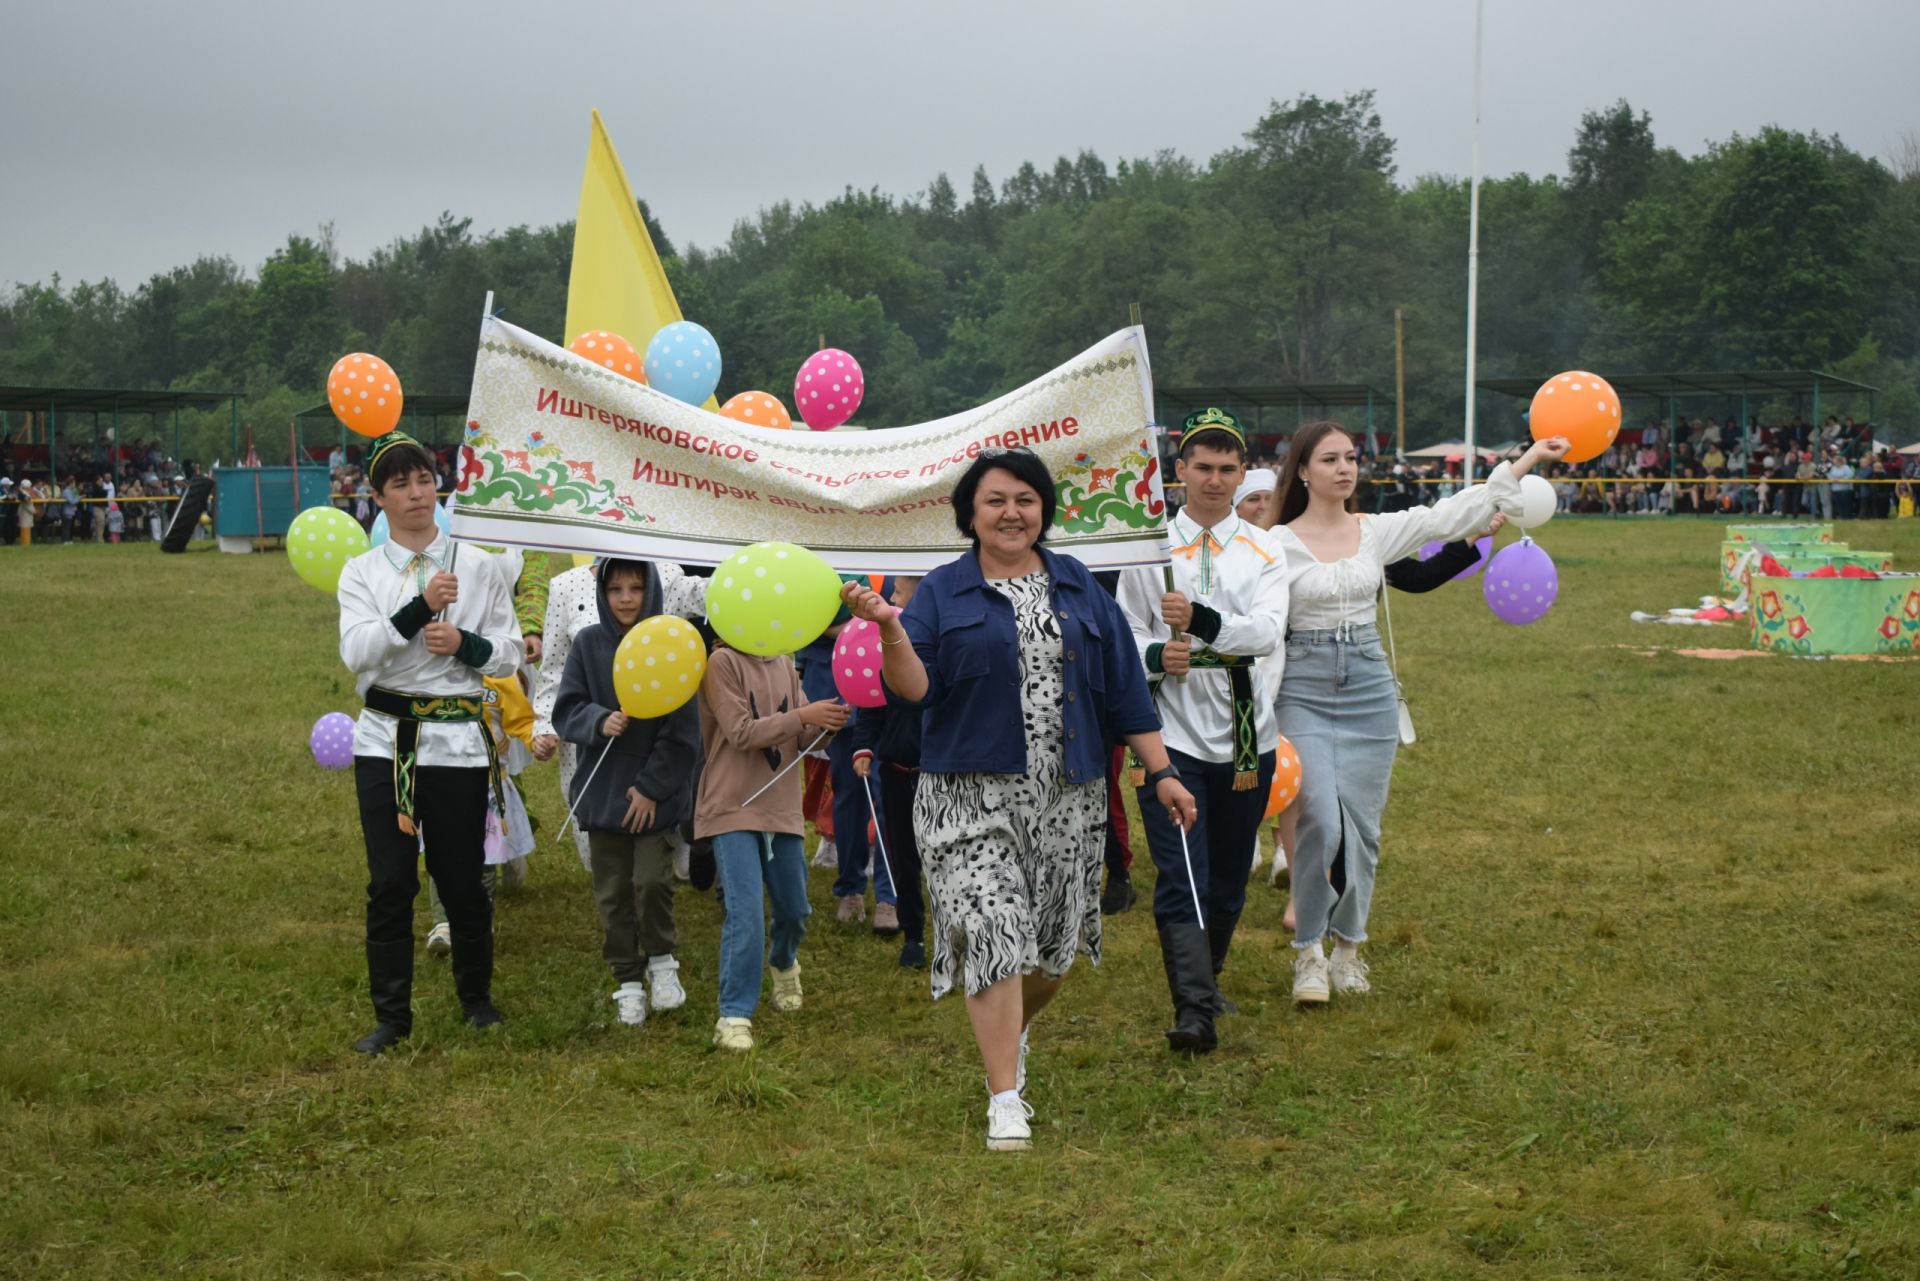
(1087, 496)
(1781, 623)
(1900, 630)
(538, 478)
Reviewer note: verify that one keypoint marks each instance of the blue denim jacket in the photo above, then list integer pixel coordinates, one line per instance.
(964, 632)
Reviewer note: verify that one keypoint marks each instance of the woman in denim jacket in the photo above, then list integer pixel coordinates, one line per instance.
(1024, 670)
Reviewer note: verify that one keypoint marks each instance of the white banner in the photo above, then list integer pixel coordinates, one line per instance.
(563, 454)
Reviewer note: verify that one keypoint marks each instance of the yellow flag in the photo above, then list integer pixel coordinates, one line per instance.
(617, 283)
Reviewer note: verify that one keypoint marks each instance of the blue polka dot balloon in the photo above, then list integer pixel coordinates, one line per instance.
(684, 362)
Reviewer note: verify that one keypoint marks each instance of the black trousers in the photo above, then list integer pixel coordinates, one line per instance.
(897, 788)
(450, 805)
(1220, 842)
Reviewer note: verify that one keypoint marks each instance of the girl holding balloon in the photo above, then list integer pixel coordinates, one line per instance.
(1338, 700)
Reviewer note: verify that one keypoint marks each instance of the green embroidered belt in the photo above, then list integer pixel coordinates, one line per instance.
(1246, 738)
(410, 712)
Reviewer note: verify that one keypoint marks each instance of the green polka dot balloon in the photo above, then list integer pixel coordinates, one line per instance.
(657, 666)
(320, 542)
(772, 598)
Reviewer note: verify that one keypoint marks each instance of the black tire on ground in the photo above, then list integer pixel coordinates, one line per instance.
(187, 513)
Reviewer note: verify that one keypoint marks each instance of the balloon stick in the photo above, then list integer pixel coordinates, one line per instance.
(1188, 856)
(583, 790)
(787, 769)
(879, 833)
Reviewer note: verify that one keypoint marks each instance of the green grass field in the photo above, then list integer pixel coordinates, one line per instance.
(1646, 960)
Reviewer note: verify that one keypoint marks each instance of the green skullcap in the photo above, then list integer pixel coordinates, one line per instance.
(1203, 421)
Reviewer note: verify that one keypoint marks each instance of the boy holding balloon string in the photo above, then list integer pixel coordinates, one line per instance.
(637, 790)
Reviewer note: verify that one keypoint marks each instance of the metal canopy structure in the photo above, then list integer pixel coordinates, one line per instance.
(417, 405)
(1727, 385)
(55, 401)
(1175, 403)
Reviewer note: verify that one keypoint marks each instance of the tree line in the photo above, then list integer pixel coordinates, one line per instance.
(1279, 260)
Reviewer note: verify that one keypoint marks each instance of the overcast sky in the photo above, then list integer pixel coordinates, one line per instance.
(135, 137)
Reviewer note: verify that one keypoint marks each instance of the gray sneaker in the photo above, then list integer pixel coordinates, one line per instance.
(1349, 975)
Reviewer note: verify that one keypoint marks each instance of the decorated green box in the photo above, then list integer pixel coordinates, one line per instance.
(1780, 535)
(1798, 557)
(1836, 615)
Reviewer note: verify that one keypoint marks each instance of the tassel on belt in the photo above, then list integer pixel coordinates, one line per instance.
(1246, 737)
(410, 712)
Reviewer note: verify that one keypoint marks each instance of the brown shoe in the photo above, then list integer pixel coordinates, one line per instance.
(853, 909)
(886, 918)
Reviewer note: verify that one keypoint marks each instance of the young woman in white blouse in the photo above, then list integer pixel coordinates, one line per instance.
(1337, 702)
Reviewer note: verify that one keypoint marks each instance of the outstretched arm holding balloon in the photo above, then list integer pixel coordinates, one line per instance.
(1400, 534)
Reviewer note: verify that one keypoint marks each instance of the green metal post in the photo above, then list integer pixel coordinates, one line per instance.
(233, 426)
(176, 433)
(1746, 433)
(1372, 443)
(1816, 402)
(53, 436)
(116, 429)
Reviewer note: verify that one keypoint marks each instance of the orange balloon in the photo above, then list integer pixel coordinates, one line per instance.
(1581, 407)
(1286, 778)
(759, 409)
(365, 394)
(611, 350)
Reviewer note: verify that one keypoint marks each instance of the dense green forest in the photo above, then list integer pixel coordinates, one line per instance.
(1280, 260)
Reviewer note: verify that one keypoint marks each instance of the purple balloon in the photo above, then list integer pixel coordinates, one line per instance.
(332, 740)
(1521, 583)
(1429, 550)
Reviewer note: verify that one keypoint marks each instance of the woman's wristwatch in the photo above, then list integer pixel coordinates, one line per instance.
(1168, 771)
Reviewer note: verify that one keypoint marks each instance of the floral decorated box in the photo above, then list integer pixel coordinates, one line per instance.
(1798, 558)
(1780, 535)
(1837, 615)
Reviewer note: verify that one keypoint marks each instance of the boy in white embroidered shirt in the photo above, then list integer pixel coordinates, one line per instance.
(422, 621)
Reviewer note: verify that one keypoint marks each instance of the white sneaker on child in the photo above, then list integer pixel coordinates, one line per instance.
(663, 972)
(631, 998)
(1007, 1124)
(824, 854)
(733, 1034)
(440, 940)
(786, 989)
(682, 857)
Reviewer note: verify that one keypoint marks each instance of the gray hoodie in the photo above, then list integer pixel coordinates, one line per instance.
(659, 756)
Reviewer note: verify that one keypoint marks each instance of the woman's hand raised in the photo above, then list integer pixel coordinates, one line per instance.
(863, 602)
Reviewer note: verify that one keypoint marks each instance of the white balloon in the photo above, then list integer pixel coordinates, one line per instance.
(1537, 502)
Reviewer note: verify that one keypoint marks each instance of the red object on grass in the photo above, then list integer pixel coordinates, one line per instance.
(1857, 571)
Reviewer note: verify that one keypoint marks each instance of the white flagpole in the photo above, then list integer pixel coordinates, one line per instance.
(1473, 252)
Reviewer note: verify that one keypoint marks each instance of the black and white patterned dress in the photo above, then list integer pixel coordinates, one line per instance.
(1013, 860)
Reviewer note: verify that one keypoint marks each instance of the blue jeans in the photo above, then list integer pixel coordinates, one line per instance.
(1226, 824)
(850, 815)
(745, 860)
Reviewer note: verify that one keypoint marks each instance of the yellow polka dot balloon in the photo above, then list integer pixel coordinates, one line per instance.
(657, 666)
(1286, 778)
(320, 542)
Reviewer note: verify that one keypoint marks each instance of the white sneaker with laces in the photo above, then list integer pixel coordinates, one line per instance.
(440, 940)
(1007, 1124)
(631, 998)
(733, 1034)
(1349, 974)
(1309, 976)
(786, 989)
(824, 854)
(663, 974)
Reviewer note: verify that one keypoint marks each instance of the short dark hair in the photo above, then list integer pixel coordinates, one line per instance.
(637, 568)
(1221, 442)
(1021, 464)
(398, 462)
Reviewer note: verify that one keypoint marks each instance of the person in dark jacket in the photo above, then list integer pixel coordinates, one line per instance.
(638, 789)
(886, 756)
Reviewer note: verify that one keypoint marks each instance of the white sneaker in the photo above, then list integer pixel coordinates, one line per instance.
(663, 972)
(733, 1034)
(1309, 976)
(824, 854)
(682, 859)
(1007, 1125)
(631, 998)
(786, 989)
(440, 940)
(1349, 974)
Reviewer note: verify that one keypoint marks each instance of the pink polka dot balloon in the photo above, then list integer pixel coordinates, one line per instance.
(856, 664)
(828, 389)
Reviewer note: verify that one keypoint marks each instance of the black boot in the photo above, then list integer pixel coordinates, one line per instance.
(390, 984)
(473, 978)
(1219, 938)
(1183, 948)
(1119, 893)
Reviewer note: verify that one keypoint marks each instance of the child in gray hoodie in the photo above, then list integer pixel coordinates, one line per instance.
(628, 802)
